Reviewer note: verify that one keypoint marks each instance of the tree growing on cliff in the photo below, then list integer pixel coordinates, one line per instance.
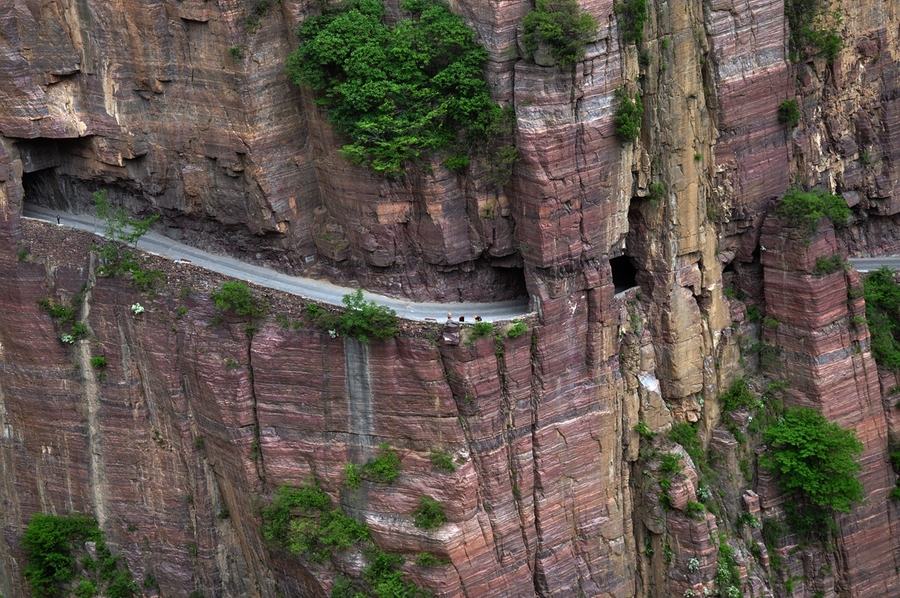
(804, 209)
(815, 461)
(562, 26)
(53, 545)
(400, 91)
(629, 114)
(120, 228)
(815, 27)
(235, 296)
(882, 295)
(632, 15)
(365, 320)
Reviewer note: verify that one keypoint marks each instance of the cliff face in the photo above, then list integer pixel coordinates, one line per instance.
(183, 109)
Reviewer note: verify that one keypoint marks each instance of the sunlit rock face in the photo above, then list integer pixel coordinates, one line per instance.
(183, 108)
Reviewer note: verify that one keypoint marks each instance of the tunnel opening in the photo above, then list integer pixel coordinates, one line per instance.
(624, 273)
(44, 181)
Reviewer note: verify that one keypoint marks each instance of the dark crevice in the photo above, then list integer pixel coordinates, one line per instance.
(624, 273)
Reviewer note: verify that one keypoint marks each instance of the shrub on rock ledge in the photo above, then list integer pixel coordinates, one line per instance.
(562, 26)
(400, 91)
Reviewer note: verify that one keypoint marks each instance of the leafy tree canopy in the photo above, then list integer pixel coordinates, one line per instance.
(562, 26)
(399, 92)
(814, 458)
(882, 295)
(804, 209)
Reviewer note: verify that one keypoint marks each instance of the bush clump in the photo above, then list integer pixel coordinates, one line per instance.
(400, 91)
(628, 116)
(426, 559)
(694, 509)
(384, 577)
(562, 26)
(235, 296)
(302, 522)
(352, 476)
(657, 192)
(829, 265)
(789, 113)
(738, 396)
(517, 329)
(633, 15)
(365, 320)
(482, 330)
(443, 460)
(385, 467)
(804, 209)
(882, 294)
(814, 459)
(53, 544)
(815, 27)
(430, 514)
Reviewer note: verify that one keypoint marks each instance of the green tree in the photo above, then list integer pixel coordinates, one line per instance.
(400, 92)
(365, 320)
(118, 228)
(815, 27)
(789, 113)
(52, 544)
(629, 114)
(814, 459)
(804, 209)
(430, 514)
(633, 15)
(882, 295)
(562, 26)
(236, 296)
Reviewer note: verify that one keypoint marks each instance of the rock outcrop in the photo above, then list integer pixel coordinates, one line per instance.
(824, 354)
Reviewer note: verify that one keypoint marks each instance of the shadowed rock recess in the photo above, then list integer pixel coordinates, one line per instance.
(656, 271)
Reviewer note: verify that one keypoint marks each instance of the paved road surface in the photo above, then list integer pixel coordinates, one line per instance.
(868, 264)
(317, 290)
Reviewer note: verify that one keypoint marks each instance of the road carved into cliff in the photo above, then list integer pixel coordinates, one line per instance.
(317, 290)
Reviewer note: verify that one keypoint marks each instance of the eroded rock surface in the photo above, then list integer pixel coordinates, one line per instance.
(182, 108)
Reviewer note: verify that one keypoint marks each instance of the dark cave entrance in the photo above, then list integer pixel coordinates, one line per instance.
(624, 273)
(508, 276)
(42, 182)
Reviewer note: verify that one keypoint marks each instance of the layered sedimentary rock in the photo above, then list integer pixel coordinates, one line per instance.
(183, 109)
(824, 354)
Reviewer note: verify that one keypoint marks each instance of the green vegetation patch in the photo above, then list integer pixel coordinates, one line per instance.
(430, 514)
(53, 544)
(235, 296)
(120, 228)
(882, 295)
(628, 116)
(517, 329)
(400, 91)
(365, 320)
(789, 113)
(739, 396)
(814, 459)
(385, 467)
(632, 16)
(829, 265)
(815, 27)
(302, 522)
(804, 209)
(443, 460)
(562, 26)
